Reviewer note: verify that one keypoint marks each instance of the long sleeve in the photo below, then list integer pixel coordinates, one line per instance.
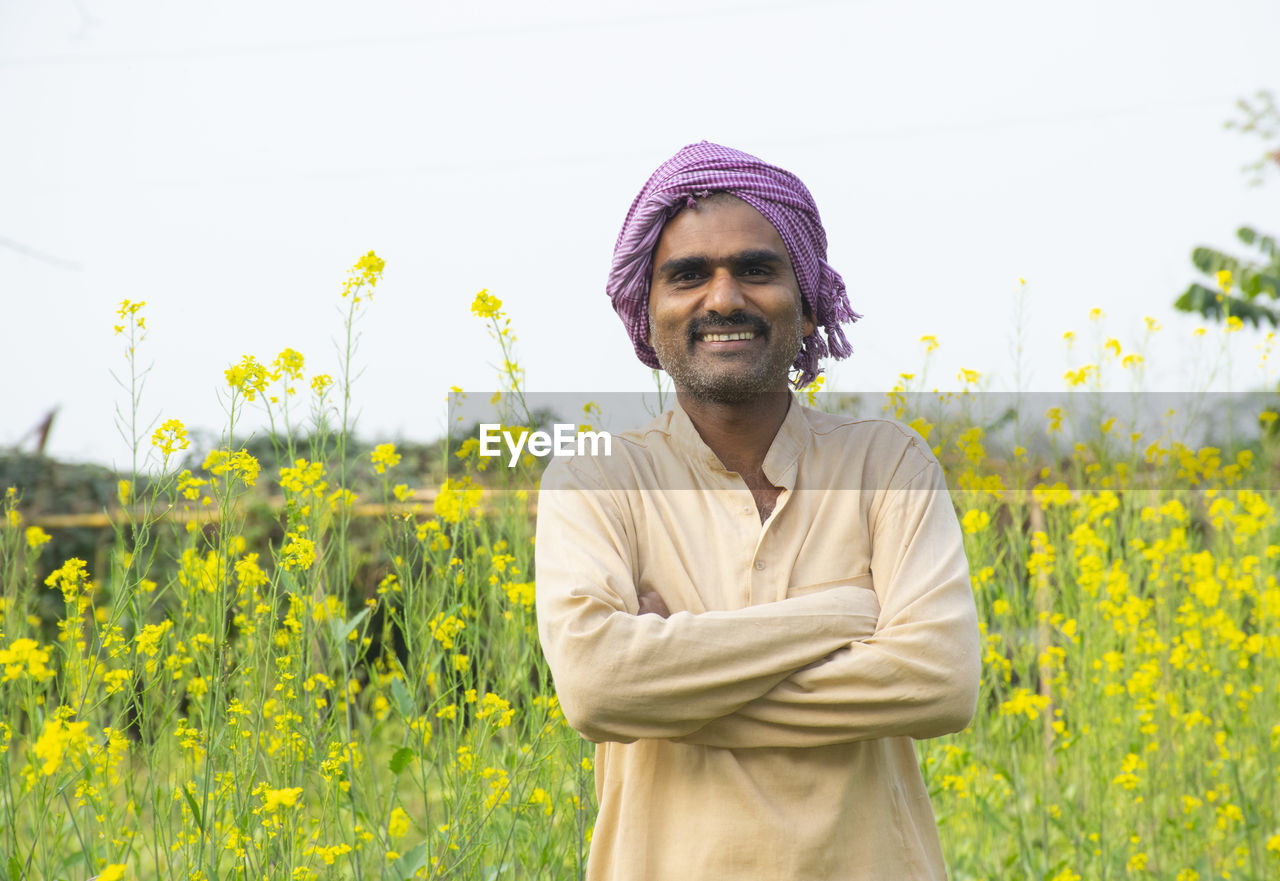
(917, 675)
(623, 676)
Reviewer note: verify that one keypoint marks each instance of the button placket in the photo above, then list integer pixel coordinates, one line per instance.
(761, 587)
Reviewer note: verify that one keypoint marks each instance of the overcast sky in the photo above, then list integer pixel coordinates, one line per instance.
(228, 162)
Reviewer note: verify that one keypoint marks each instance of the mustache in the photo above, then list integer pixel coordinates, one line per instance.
(726, 324)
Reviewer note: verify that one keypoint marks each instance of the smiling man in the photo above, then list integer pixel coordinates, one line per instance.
(752, 607)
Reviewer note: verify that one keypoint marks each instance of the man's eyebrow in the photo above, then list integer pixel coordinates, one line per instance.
(678, 265)
(758, 255)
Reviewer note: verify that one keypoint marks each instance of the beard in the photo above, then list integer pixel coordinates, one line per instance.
(722, 380)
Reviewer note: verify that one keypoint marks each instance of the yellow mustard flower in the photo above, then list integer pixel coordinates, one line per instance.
(397, 824)
(59, 740)
(384, 456)
(1023, 702)
(170, 437)
(975, 521)
(445, 628)
(24, 657)
(809, 391)
(71, 578)
(486, 306)
(491, 705)
(289, 365)
(249, 377)
(239, 464)
(366, 272)
(298, 552)
(328, 853)
(456, 499)
(274, 799)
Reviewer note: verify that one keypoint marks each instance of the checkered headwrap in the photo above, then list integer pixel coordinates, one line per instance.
(696, 171)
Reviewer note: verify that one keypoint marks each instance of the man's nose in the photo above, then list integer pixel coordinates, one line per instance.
(724, 293)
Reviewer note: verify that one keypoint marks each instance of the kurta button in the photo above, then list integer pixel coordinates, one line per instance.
(759, 564)
(746, 509)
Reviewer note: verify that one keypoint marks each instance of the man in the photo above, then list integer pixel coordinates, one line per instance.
(752, 607)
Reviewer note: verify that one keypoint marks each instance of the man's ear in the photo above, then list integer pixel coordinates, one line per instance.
(809, 324)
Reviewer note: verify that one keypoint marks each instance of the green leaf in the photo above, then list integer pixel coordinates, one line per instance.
(1265, 244)
(1261, 283)
(1211, 260)
(1214, 305)
(195, 808)
(15, 869)
(1250, 280)
(409, 864)
(342, 631)
(404, 701)
(403, 756)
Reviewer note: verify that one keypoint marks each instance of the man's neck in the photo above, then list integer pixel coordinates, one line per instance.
(740, 434)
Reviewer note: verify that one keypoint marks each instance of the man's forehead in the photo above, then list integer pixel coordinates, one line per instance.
(719, 225)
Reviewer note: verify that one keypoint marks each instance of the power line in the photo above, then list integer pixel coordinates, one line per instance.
(27, 251)
(615, 157)
(462, 33)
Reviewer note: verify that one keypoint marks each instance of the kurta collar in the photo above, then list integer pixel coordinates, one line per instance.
(780, 462)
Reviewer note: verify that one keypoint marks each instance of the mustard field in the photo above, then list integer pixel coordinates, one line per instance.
(355, 690)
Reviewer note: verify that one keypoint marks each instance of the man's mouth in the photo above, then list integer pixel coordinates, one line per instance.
(739, 327)
(729, 337)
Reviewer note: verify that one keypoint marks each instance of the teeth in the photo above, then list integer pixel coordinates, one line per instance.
(727, 337)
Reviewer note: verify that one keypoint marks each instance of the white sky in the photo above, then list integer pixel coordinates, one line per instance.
(228, 162)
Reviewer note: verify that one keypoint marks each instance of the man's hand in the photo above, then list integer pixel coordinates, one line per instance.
(651, 603)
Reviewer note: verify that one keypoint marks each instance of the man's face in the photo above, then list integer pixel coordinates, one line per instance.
(725, 313)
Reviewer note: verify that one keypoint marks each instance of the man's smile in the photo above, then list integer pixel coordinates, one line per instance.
(728, 332)
(728, 337)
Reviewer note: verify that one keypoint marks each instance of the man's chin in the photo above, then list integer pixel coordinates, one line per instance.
(735, 389)
(727, 376)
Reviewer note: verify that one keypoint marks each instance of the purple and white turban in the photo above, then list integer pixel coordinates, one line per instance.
(696, 171)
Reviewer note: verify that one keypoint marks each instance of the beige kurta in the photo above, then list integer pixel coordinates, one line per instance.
(764, 730)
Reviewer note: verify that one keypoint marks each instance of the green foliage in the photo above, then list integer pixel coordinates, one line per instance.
(1260, 117)
(1258, 282)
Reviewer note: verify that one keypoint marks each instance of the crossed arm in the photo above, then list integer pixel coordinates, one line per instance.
(809, 671)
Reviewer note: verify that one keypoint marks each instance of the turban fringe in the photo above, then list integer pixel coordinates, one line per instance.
(696, 171)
